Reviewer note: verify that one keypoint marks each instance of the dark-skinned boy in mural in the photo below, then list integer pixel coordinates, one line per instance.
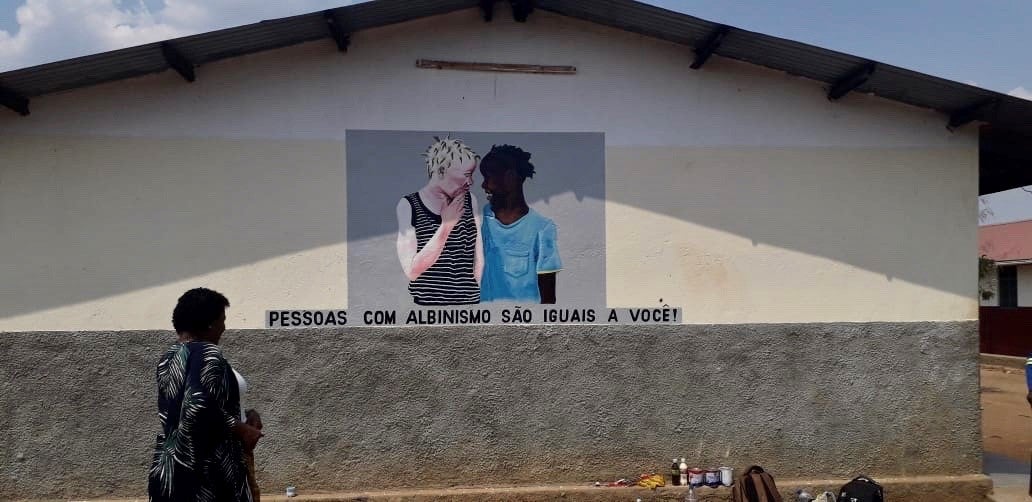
(520, 245)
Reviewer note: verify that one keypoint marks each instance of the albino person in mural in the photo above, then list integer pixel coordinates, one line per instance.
(520, 245)
(439, 244)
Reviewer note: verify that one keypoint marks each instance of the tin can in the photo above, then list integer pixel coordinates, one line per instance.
(696, 477)
(727, 476)
(712, 477)
(291, 491)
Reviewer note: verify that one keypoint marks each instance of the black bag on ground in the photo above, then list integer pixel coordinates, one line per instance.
(755, 485)
(861, 489)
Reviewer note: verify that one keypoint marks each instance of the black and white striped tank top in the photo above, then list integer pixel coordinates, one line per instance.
(449, 281)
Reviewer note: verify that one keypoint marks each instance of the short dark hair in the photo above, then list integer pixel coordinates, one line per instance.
(197, 309)
(510, 157)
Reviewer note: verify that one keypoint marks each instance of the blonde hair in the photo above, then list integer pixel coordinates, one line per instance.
(440, 155)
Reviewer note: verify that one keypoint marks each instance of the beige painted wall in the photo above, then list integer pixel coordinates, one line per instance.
(738, 193)
(105, 233)
(793, 234)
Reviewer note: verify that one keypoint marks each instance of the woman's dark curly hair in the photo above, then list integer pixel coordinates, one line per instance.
(510, 157)
(197, 309)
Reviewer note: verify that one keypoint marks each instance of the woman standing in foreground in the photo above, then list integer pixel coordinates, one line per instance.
(199, 455)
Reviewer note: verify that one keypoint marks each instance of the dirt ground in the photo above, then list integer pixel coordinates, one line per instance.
(1006, 414)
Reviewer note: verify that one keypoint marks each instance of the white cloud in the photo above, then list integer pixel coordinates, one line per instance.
(1021, 92)
(52, 30)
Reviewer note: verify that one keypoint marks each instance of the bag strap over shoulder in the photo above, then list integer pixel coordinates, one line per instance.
(737, 491)
(769, 484)
(761, 488)
(743, 487)
(755, 485)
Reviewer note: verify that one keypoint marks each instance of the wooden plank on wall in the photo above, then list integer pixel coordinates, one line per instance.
(499, 67)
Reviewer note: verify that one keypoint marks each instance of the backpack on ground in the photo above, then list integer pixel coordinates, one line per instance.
(861, 489)
(755, 485)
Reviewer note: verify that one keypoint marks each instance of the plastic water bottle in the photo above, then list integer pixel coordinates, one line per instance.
(690, 497)
(803, 496)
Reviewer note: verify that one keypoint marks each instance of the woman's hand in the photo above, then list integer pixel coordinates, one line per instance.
(248, 434)
(254, 418)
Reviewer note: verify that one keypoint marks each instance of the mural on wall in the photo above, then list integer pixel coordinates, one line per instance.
(459, 227)
(454, 253)
(451, 218)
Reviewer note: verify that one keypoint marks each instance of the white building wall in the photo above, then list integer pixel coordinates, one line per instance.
(736, 192)
(1025, 285)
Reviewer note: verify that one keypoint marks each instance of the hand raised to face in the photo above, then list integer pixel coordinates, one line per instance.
(451, 212)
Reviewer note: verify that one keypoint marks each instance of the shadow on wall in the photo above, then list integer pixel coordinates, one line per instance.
(904, 213)
(84, 219)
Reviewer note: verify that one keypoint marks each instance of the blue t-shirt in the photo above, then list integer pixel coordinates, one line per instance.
(1028, 372)
(515, 254)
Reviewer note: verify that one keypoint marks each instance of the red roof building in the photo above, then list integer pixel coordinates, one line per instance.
(1005, 290)
(1006, 243)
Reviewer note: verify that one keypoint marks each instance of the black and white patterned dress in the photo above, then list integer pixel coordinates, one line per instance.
(197, 457)
(450, 280)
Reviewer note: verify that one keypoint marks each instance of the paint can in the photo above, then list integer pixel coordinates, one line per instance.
(291, 491)
(727, 476)
(696, 477)
(712, 477)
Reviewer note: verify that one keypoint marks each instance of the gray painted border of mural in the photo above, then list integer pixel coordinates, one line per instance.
(374, 408)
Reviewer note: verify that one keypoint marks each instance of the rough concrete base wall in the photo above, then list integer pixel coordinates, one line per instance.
(374, 408)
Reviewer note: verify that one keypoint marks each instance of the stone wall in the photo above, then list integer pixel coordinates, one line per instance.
(369, 408)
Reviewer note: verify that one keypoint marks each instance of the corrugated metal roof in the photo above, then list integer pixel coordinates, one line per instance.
(795, 58)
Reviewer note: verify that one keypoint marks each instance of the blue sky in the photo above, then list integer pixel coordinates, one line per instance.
(983, 42)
